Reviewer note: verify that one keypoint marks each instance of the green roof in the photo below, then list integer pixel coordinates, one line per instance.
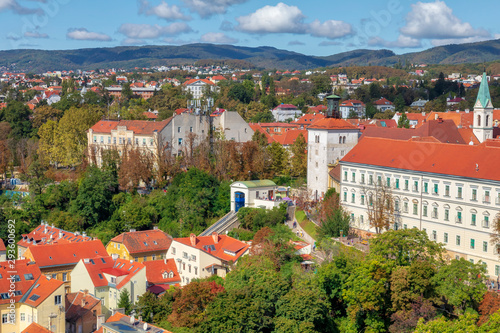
(333, 96)
(483, 95)
(257, 183)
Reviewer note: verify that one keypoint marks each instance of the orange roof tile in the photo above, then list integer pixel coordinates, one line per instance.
(289, 137)
(27, 273)
(144, 241)
(156, 268)
(100, 265)
(36, 328)
(331, 123)
(46, 234)
(196, 80)
(225, 244)
(44, 287)
(79, 303)
(478, 162)
(66, 254)
(137, 126)
(2, 245)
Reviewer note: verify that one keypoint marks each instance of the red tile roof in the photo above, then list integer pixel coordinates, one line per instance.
(144, 241)
(224, 243)
(125, 323)
(36, 328)
(46, 234)
(150, 115)
(44, 287)
(137, 126)
(65, 254)
(2, 245)
(79, 303)
(382, 101)
(289, 137)
(479, 162)
(98, 266)
(23, 269)
(257, 127)
(461, 118)
(331, 123)
(156, 268)
(196, 80)
(308, 119)
(352, 102)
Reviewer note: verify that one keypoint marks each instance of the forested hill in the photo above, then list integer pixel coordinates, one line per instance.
(38, 61)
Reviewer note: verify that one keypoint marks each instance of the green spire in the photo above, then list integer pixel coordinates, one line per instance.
(483, 95)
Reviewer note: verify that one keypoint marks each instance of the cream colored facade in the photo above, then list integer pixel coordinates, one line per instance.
(456, 211)
(48, 313)
(121, 251)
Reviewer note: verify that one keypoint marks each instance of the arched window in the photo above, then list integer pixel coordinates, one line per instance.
(487, 121)
(343, 140)
(478, 120)
(340, 139)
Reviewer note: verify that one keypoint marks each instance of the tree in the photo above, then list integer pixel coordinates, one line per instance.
(124, 301)
(299, 157)
(279, 158)
(380, 206)
(495, 234)
(45, 113)
(36, 177)
(18, 116)
(336, 224)
(461, 284)
(259, 138)
(405, 246)
(403, 121)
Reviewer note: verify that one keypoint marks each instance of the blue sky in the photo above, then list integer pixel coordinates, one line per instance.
(311, 27)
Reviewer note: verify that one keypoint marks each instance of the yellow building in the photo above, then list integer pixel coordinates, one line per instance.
(140, 246)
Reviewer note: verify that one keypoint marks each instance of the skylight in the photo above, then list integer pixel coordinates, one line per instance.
(103, 261)
(100, 276)
(34, 297)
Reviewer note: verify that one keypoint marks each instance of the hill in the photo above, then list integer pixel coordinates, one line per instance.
(261, 57)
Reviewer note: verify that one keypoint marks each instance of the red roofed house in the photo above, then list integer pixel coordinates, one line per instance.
(198, 257)
(307, 119)
(284, 112)
(352, 106)
(140, 246)
(451, 191)
(82, 311)
(58, 260)
(161, 274)
(45, 234)
(120, 323)
(383, 104)
(3, 251)
(329, 139)
(36, 298)
(288, 138)
(36, 328)
(105, 278)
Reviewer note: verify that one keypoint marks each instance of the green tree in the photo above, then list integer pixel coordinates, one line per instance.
(279, 158)
(18, 116)
(335, 223)
(124, 301)
(403, 121)
(259, 138)
(299, 157)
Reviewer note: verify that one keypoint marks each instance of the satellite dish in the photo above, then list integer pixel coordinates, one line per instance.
(145, 326)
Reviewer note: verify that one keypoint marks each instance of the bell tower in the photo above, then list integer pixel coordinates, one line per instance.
(483, 112)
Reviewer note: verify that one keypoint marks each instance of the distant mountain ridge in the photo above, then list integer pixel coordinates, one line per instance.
(127, 57)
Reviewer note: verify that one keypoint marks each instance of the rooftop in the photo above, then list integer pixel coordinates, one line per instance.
(144, 241)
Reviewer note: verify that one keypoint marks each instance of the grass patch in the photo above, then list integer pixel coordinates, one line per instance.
(300, 215)
(310, 228)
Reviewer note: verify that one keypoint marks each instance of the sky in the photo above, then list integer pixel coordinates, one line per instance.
(312, 27)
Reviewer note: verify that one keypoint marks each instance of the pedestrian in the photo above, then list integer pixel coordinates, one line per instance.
(492, 284)
(297, 233)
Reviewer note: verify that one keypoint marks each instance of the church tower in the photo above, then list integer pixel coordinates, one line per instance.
(483, 112)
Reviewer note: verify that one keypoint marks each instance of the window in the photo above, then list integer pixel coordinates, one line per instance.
(426, 187)
(407, 184)
(95, 138)
(459, 217)
(191, 129)
(195, 270)
(4, 318)
(129, 141)
(113, 280)
(114, 141)
(486, 198)
(102, 139)
(353, 198)
(65, 277)
(184, 255)
(405, 226)
(345, 196)
(189, 268)
(153, 257)
(415, 209)
(361, 219)
(485, 246)
(447, 190)
(435, 212)
(446, 214)
(486, 222)
(458, 240)
(424, 210)
(459, 193)
(180, 141)
(353, 178)
(434, 235)
(193, 257)
(379, 180)
(370, 180)
(370, 200)
(173, 250)
(136, 259)
(145, 258)
(415, 186)
(445, 238)
(474, 194)
(23, 316)
(28, 277)
(473, 219)
(471, 260)
(362, 178)
(362, 199)
(57, 299)
(151, 142)
(497, 270)
(472, 243)
(405, 207)
(388, 182)
(109, 140)
(397, 184)
(436, 188)
(178, 129)
(183, 266)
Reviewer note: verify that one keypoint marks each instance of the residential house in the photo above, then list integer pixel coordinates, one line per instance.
(199, 257)
(256, 194)
(82, 311)
(140, 246)
(198, 88)
(58, 260)
(414, 119)
(455, 203)
(120, 323)
(3, 251)
(36, 328)
(105, 278)
(46, 234)
(284, 112)
(161, 274)
(352, 106)
(419, 105)
(383, 104)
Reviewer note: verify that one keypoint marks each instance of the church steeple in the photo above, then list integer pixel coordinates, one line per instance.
(483, 95)
(483, 112)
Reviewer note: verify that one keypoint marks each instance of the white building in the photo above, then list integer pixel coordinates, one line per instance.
(284, 112)
(199, 257)
(329, 139)
(198, 88)
(451, 191)
(256, 194)
(352, 105)
(483, 112)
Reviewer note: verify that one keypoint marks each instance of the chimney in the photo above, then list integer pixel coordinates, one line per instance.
(132, 230)
(192, 238)
(155, 228)
(165, 261)
(423, 113)
(84, 234)
(83, 302)
(60, 234)
(100, 320)
(436, 116)
(215, 237)
(114, 256)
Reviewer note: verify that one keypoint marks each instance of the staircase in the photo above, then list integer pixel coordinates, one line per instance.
(226, 223)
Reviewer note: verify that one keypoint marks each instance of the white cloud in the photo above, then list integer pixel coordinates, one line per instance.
(330, 29)
(84, 34)
(401, 42)
(440, 42)
(435, 20)
(207, 8)
(148, 31)
(132, 41)
(17, 8)
(273, 19)
(217, 38)
(496, 36)
(283, 18)
(175, 41)
(329, 43)
(163, 10)
(295, 42)
(35, 34)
